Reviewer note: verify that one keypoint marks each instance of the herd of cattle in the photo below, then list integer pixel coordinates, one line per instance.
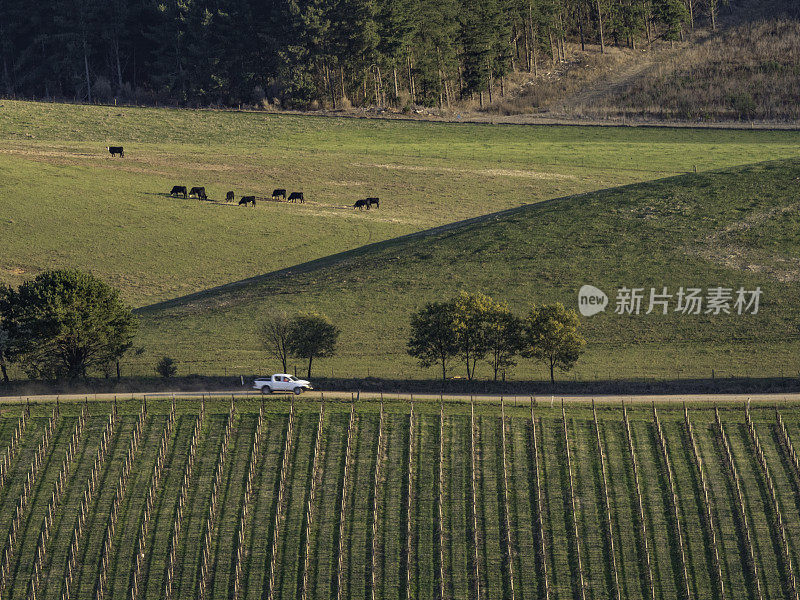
(278, 195)
(200, 194)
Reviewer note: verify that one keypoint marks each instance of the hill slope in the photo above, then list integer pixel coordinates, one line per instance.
(65, 203)
(746, 70)
(728, 228)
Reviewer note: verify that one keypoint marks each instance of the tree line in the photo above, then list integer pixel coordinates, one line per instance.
(469, 327)
(64, 323)
(473, 328)
(310, 52)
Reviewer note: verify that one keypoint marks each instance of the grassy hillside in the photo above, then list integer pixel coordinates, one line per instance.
(729, 228)
(391, 468)
(65, 202)
(746, 70)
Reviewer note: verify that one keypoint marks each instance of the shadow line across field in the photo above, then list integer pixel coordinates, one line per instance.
(333, 259)
(339, 257)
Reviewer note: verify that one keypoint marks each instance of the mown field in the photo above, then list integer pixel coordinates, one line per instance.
(729, 228)
(438, 504)
(65, 202)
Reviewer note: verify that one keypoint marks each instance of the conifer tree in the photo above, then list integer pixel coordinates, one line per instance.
(671, 14)
(396, 23)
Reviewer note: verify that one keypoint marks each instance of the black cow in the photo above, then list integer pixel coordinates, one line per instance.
(278, 194)
(246, 199)
(177, 190)
(229, 197)
(375, 201)
(200, 192)
(114, 150)
(361, 204)
(297, 196)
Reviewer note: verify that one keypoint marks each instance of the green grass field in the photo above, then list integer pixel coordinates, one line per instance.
(65, 203)
(732, 228)
(458, 545)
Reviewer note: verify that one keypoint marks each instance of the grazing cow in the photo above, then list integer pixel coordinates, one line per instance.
(279, 194)
(229, 197)
(361, 204)
(177, 190)
(114, 150)
(200, 192)
(375, 201)
(246, 199)
(297, 196)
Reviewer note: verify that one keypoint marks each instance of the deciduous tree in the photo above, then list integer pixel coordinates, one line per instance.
(312, 335)
(64, 322)
(274, 334)
(503, 337)
(551, 334)
(166, 367)
(433, 338)
(470, 322)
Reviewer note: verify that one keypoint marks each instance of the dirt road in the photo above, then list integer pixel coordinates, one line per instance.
(344, 396)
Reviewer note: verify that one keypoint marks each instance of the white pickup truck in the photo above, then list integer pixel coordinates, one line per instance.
(281, 382)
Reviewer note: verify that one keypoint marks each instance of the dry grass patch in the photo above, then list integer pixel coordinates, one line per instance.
(750, 71)
(733, 246)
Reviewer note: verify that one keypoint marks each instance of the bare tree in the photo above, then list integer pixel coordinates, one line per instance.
(273, 333)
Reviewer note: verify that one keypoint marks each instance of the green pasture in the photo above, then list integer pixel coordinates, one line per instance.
(587, 214)
(732, 228)
(64, 202)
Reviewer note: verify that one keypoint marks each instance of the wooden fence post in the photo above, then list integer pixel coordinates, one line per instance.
(612, 555)
(248, 495)
(755, 582)
(150, 498)
(509, 547)
(310, 502)
(786, 555)
(278, 519)
(375, 504)
(13, 447)
(474, 503)
(409, 502)
(662, 445)
(645, 547)
(177, 523)
(708, 512)
(343, 506)
(541, 546)
(575, 534)
(119, 496)
(55, 501)
(213, 509)
(34, 472)
(88, 492)
(440, 572)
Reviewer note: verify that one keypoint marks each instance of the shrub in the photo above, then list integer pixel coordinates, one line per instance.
(743, 104)
(258, 95)
(102, 89)
(166, 367)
